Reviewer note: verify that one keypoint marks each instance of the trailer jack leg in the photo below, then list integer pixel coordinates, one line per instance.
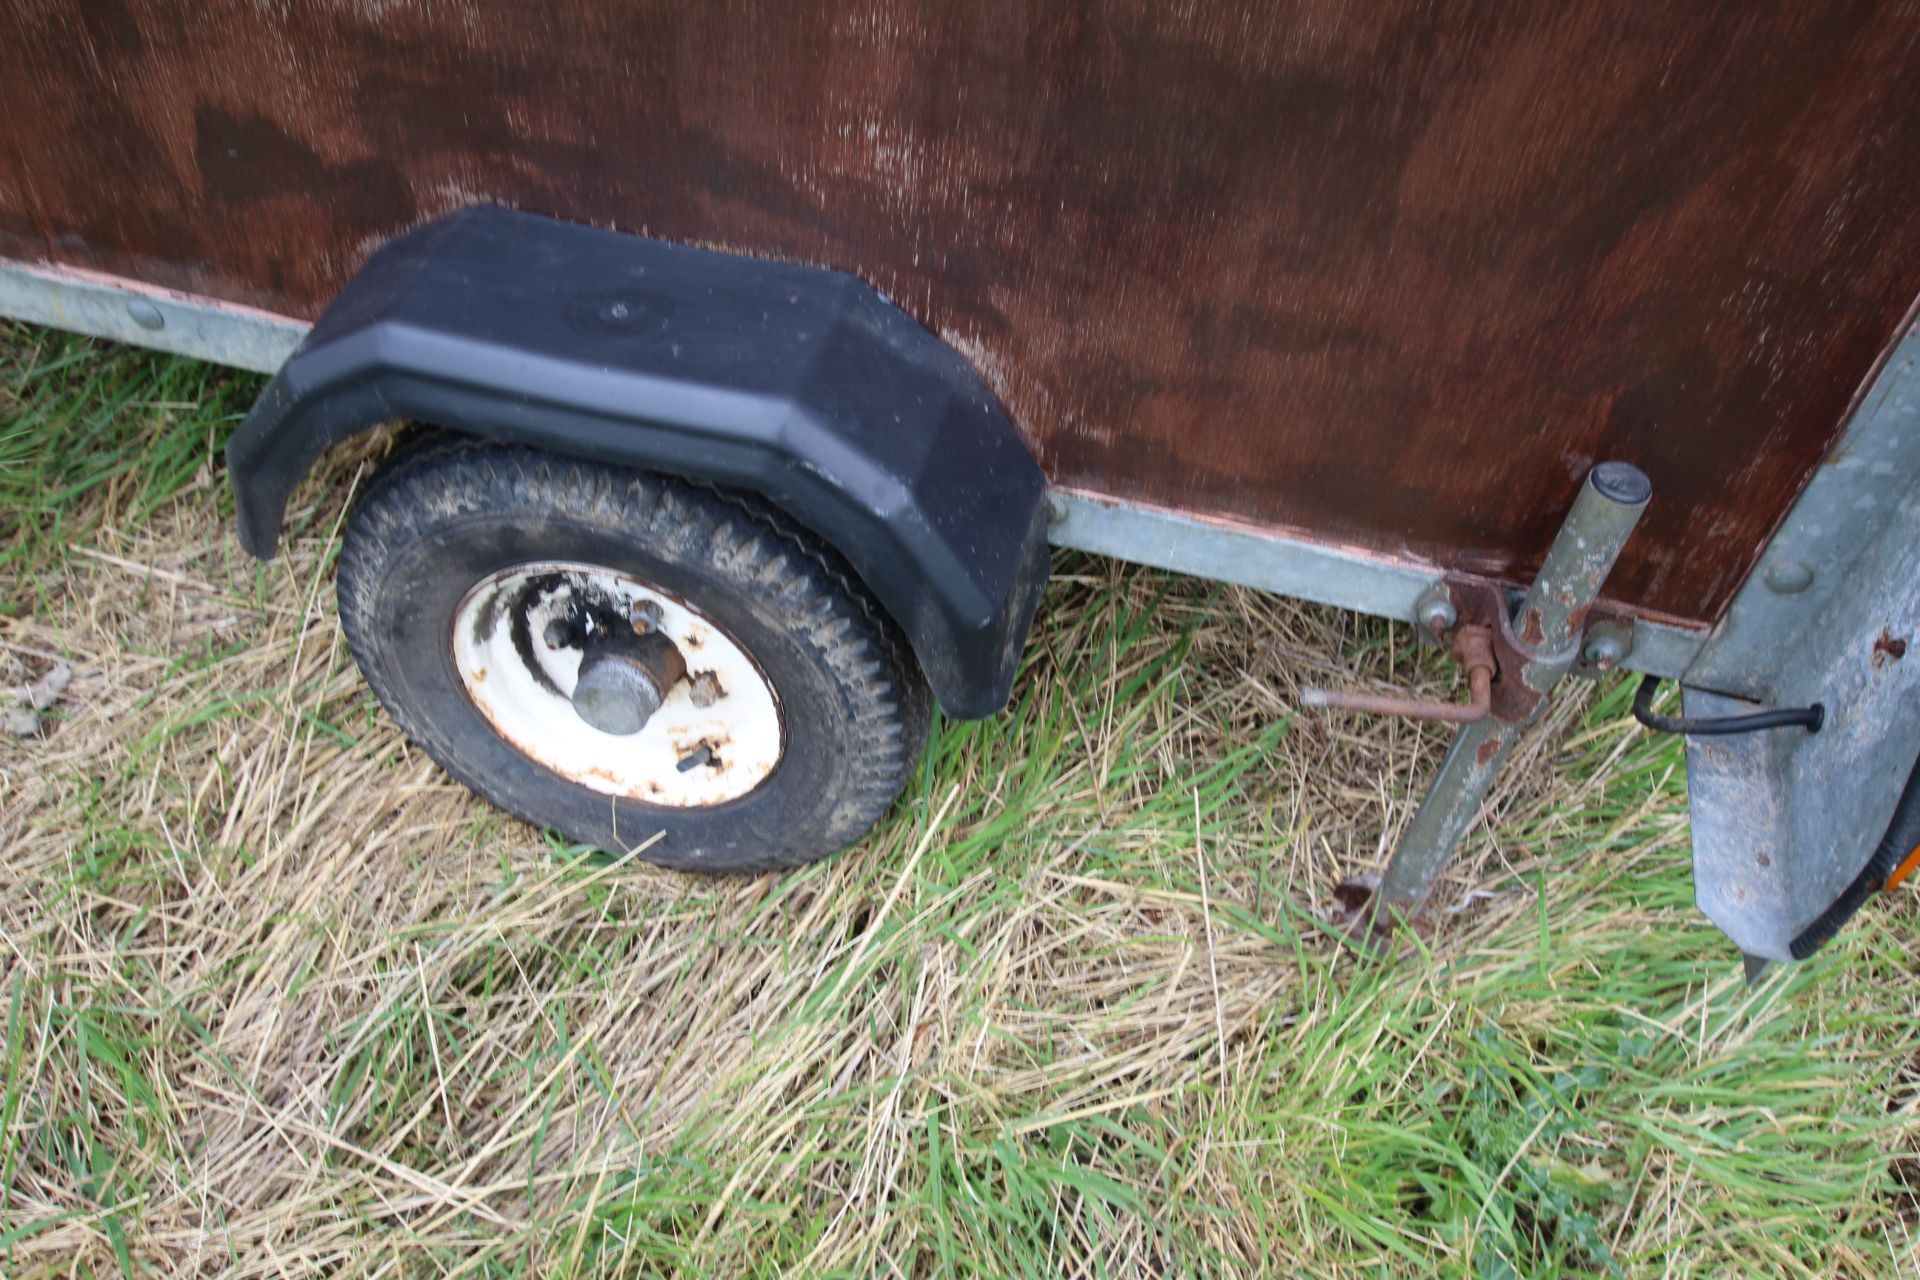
(1535, 647)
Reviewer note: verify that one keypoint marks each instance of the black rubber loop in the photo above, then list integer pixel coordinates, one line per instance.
(1903, 835)
(1809, 718)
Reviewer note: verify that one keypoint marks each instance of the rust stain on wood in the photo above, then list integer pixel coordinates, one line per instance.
(1393, 273)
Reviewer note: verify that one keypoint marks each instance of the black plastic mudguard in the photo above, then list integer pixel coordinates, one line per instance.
(803, 385)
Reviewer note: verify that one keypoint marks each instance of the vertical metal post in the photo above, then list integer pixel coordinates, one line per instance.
(1548, 624)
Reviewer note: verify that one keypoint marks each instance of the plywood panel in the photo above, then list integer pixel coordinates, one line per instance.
(1393, 273)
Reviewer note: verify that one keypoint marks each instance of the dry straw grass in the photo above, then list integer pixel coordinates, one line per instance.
(282, 1000)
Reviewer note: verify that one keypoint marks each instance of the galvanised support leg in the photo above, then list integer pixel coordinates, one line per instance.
(1549, 625)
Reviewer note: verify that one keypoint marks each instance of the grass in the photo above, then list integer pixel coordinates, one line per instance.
(279, 999)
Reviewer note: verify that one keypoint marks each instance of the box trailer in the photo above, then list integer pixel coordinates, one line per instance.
(769, 345)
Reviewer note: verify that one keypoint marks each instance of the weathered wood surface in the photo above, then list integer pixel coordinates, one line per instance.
(1393, 273)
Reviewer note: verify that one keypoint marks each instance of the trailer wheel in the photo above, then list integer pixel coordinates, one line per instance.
(628, 657)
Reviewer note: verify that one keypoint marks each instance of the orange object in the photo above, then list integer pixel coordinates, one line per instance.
(1904, 870)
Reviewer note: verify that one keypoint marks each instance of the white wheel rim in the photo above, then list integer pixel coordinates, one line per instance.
(740, 730)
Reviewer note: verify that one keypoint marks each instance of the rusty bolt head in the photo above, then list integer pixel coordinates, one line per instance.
(1435, 612)
(1605, 650)
(644, 615)
(703, 690)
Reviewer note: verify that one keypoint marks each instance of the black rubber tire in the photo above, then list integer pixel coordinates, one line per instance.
(448, 512)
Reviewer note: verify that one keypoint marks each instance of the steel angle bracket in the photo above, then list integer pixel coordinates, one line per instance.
(1784, 821)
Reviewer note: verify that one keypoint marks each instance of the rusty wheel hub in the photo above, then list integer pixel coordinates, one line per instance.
(617, 685)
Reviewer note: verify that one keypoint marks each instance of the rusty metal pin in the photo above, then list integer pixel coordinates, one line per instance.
(1472, 649)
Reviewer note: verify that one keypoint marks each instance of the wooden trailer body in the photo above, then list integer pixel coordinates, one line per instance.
(1387, 276)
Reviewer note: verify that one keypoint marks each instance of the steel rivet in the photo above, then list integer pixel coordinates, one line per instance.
(145, 314)
(1789, 577)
